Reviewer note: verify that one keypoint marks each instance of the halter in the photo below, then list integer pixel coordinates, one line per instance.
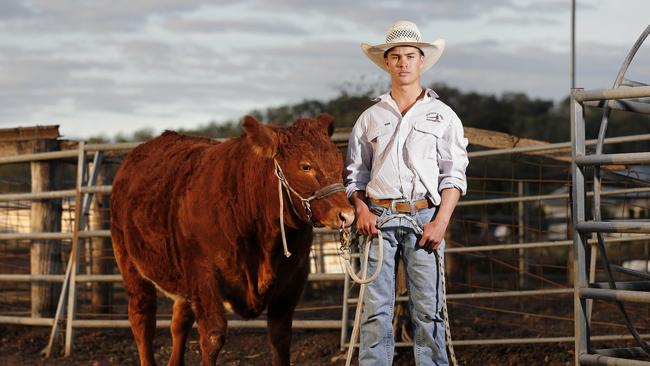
(323, 192)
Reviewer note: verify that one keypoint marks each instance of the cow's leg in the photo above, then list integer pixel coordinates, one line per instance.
(182, 320)
(142, 309)
(279, 316)
(211, 321)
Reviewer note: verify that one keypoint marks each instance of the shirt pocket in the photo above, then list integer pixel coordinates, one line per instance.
(378, 135)
(426, 135)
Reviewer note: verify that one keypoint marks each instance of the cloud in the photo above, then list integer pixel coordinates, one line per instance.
(11, 9)
(93, 16)
(527, 20)
(175, 62)
(370, 12)
(235, 26)
(495, 67)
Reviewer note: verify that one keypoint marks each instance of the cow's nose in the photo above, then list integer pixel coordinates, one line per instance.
(347, 217)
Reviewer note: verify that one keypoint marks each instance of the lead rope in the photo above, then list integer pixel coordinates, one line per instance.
(346, 239)
(287, 253)
(450, 345)
(322, 192)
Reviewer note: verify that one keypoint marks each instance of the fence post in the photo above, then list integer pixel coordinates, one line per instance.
(101, 247)
(45, 216)
(74, 251)
(521, 236)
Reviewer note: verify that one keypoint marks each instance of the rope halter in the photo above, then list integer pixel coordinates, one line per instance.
(321, 193)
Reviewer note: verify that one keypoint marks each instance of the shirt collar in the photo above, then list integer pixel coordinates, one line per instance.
(429, 94)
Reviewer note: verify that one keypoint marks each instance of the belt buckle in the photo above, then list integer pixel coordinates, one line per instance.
(393, 205)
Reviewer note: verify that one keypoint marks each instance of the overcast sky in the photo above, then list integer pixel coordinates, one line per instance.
(103, 67)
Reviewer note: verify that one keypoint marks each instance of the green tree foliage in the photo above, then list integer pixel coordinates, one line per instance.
(513, 113)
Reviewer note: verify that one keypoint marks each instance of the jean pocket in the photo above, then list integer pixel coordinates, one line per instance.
(378, 211)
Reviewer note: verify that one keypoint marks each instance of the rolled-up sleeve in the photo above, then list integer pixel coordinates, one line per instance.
(358, 160)
(452, 158)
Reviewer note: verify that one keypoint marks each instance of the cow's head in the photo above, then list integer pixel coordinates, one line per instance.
(309, 161)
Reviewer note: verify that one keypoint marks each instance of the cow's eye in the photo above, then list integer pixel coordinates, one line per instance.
(306, 167)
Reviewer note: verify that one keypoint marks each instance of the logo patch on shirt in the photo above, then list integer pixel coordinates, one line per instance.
(434, 117)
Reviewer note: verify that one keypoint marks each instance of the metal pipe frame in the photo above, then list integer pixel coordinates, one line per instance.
(621, 105)
(313, 277)
(554, 146)
(52, 194)
(614, 226)
(610, 159)
(511, 341)
(488, 201)
(596, 359)
(622, 352)
(615, 295)
(611, 93)
(584, 295)
(581, 325)
(479, 248)
(67, 154)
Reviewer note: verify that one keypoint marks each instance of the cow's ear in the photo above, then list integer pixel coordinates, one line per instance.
(263, 139)
(326, 121)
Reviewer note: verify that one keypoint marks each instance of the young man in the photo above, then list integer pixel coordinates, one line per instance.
(406, 154)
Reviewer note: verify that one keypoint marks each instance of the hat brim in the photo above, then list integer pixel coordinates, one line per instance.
(432, 52)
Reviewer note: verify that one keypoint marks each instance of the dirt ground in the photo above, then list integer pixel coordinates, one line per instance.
(20, 345)
(471, 319)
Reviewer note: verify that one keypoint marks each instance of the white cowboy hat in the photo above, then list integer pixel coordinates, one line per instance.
(404, 33)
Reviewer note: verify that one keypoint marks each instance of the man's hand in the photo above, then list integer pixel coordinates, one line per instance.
(433, 234)
(366, 220)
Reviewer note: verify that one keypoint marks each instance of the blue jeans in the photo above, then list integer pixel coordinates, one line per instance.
(425, 295)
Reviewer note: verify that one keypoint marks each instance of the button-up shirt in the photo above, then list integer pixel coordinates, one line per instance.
(391, 156)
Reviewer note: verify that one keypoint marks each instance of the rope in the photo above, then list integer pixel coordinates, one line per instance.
(450, 345)
(287, 253)
(322, 192)
(363, 281)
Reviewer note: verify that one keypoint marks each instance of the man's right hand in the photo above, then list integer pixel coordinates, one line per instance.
(366, 220)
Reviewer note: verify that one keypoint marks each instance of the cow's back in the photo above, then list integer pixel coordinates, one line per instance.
(145, 195)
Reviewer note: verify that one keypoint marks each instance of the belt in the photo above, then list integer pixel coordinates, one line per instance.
(402, 205)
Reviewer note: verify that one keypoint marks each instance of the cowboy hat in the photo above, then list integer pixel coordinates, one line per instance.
(404, 33)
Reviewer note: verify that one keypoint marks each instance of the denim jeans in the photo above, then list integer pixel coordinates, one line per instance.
(425, 295)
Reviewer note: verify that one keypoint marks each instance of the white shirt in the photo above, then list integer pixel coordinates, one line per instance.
(391, 156)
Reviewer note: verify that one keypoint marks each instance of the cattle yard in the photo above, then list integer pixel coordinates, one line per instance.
(509, 254)
(522, 255)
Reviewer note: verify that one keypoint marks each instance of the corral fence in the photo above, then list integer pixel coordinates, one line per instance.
(507, 256)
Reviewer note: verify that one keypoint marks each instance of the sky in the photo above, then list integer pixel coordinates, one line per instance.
(107, 67)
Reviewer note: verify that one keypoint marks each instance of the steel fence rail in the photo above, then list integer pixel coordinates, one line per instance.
(52, 194)
(555, 146)
(71, 153)
(521, 341)
(544, 197)
(476, 248)
(611, 93)
(118, 277)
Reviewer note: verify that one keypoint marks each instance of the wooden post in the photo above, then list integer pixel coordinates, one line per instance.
(74, 251)
(101, 262)
(521, 237)
(45, 217)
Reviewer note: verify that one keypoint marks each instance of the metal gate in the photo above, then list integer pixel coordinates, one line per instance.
(586, 289)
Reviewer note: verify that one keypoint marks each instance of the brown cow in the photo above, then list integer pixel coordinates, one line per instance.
(200, 220)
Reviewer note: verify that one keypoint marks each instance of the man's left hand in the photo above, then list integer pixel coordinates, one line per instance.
(433, 234)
